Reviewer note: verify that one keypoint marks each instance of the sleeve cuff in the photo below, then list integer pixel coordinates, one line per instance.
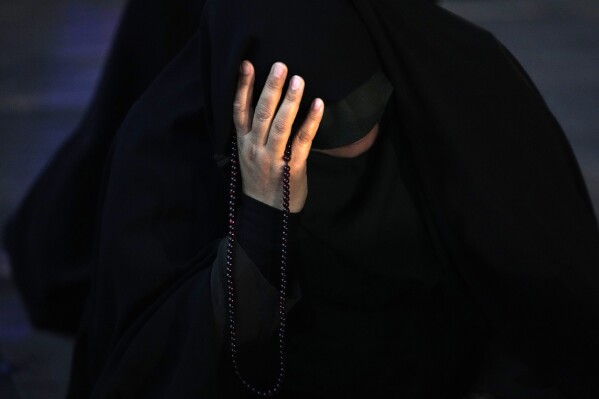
(258, 232)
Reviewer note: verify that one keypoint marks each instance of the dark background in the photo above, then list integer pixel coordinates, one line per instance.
(50, 55)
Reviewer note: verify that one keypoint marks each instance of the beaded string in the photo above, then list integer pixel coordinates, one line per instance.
(233, 185)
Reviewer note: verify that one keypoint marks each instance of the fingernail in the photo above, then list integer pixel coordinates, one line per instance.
(295, 83)
(278, 70)
(317, 104)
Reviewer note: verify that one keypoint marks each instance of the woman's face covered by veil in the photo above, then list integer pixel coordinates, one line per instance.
(325, 42)
(349, 214)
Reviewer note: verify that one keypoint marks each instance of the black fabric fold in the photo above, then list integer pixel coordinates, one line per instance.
(50, 238)
(150, 309)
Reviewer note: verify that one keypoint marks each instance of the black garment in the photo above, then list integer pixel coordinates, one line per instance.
(50, 239)
(366, 316)
(256, 272)
(258, 231)
(489, 158)
(373, 307)
(381, 314)
(493, 176)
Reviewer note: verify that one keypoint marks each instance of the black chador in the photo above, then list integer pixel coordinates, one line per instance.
(459, 255)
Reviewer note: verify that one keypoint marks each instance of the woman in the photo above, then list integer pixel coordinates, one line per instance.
(451, 260)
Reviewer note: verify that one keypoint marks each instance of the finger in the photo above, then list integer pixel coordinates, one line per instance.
(302, 142)
(267, 104)
(281, 125)
(243, 99)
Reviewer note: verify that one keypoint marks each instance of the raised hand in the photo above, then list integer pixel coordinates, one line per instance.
(263, 133)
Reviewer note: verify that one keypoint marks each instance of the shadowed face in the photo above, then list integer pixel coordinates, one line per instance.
(324, 42)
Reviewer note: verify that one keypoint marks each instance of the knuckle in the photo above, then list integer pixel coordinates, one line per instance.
(238, 108)
(245, 80)
(314, 117)
(293, 96)
(252, 153)
(304, 137)
(273, 83)
(262, 113)
(280, 126)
